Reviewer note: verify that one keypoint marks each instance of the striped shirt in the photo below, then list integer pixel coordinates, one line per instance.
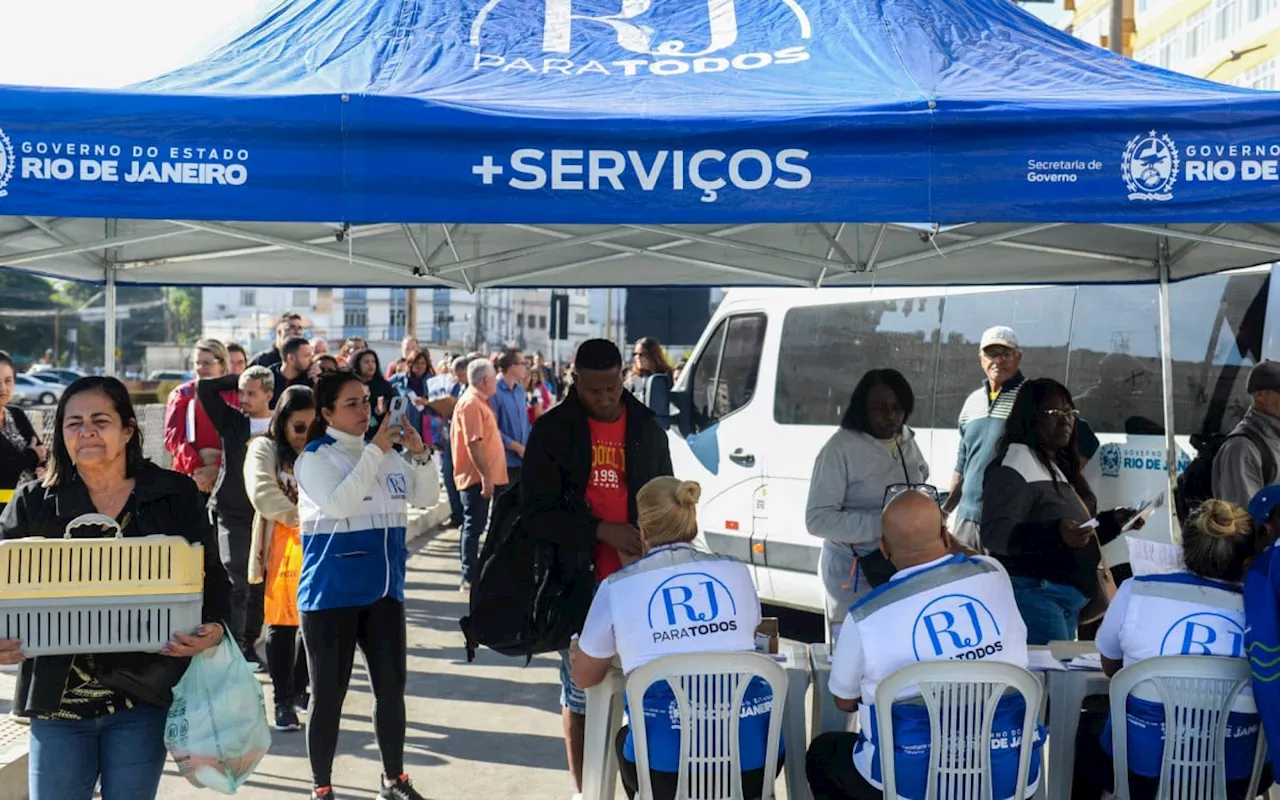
(981, 425)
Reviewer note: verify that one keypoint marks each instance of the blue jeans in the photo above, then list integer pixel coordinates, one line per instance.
(1051, 610)
(451, 485)
(126, 749)
(475, 517)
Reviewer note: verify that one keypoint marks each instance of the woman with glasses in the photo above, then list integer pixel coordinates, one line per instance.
(276, 551)
(651, 379)
(1040, 517)
(353, 503)
(873, 451)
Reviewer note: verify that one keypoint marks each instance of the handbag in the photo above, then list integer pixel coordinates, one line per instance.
(1104, 590)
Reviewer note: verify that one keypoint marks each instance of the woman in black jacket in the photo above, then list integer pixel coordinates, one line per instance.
(20, 449)
(102, 717)
(368, 368)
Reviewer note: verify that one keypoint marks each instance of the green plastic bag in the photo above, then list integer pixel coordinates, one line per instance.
(217, 730)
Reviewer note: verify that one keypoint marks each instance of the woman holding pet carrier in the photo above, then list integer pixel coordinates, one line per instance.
(102, 717)
(353, 498)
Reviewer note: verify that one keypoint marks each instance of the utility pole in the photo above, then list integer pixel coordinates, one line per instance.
(168, 316)
(57, 318)
(479, 343)
(608, 314)
(411, 313)
(1121, 26)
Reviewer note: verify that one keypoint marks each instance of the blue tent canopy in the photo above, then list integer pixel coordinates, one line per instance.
(648, 111)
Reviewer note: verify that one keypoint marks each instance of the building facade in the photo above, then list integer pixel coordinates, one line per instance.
(1230, 41)
(449, 320)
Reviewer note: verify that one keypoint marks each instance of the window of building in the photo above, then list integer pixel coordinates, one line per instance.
(902, 334)
(1226, 18)
(1262, 76)
(1148, 54)
(725, 374)
(1198, 34)
(1172, 47)
(248, 297)
(542, 322)
(1255, 10)
(519, 320)
(355, 322)
(301, 298)
(1095, 26)
(579, 319)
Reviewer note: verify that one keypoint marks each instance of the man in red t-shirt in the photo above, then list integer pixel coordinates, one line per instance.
(596, 449)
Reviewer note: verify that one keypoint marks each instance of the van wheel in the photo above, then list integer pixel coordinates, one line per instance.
(47, 399)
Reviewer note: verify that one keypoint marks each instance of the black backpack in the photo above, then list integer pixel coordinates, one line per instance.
(1195, 484)
(529, 597)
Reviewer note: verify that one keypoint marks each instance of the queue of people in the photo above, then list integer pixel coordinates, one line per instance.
(309, 481)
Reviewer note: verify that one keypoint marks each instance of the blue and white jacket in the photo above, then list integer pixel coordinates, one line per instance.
(1262, 641)
(353, 504)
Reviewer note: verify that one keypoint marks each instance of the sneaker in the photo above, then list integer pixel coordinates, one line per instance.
(402, 789)
(287, 720)
(323, 793)
(301, 702)
(465, 587)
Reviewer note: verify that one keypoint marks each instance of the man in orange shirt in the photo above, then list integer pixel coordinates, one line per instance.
(479, 460)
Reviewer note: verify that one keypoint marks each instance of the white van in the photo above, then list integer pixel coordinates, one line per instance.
(770, 378)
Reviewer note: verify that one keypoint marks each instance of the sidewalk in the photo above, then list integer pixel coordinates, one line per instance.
(490, 729)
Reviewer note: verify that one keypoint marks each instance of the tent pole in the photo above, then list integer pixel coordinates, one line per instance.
(109, 323)
(1166, 371)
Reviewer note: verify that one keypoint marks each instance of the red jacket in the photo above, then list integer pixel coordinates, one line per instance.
(180, 413)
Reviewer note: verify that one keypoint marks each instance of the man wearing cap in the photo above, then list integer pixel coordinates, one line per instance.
(982, 421)
(1247, 460)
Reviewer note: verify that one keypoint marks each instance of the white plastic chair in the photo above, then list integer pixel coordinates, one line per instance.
(709, 689)
(1197, 692)
(961, 699)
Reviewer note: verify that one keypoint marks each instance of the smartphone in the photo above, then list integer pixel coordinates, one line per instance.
(399, 404)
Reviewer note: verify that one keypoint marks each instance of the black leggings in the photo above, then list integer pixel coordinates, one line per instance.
(331, 638)
(830, 770)
(287, 663)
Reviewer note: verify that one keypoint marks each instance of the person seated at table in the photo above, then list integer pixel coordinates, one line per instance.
(1196, 612)
(696, 603)
(936, 607)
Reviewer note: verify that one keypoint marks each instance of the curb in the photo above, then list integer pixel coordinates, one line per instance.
(14, 736)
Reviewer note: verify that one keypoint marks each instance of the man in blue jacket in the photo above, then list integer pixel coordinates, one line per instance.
(510, 404)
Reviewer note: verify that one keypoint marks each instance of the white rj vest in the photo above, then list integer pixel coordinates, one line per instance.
(955, 608)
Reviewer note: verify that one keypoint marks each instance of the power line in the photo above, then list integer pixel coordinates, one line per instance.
(20, 313)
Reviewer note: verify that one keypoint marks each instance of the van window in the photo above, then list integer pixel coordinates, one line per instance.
(725, 374)
(827, 349)
(1040, 317)
(1217, 338)
(1114, 368)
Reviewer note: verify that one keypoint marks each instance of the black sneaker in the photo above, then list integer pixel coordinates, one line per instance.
(402, 789)
(287, 720)
(301, 702)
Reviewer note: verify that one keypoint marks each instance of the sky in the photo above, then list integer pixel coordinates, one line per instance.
(111, 43)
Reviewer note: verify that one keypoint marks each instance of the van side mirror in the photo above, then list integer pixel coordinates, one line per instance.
(682, 411)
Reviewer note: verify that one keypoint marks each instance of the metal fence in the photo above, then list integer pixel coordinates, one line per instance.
(150, 423)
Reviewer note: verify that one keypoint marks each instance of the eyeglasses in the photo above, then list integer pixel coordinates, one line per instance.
(299, 427)
(896, 490)
(999, 353)
(1062, 413)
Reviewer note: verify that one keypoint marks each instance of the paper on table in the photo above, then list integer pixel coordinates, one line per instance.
(1043, 661)
(1153, 558)
(1086, 661)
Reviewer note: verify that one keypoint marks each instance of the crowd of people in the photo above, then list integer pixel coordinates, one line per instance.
(293, 472)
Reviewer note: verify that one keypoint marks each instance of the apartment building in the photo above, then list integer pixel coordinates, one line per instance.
(1230, 41)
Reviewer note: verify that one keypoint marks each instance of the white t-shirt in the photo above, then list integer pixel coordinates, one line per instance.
(1177, 615)
(258, 427)
(678, 600)
(951, 608)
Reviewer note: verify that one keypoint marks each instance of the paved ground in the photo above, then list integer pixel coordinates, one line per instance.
(490, 729)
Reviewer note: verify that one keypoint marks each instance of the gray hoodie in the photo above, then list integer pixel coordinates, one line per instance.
(1238, 467)
(846, 495)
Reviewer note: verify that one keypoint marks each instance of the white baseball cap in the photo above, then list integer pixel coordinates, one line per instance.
(1000, 335)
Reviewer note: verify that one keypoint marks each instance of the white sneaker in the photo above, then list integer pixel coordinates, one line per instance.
(578, 796)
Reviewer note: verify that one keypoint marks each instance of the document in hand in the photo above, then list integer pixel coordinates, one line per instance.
(1153, 558)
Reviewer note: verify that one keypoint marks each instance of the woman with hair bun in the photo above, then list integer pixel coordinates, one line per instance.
(1196, 612)
(695, 602)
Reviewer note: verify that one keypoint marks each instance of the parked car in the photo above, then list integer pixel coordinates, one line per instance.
(55, 374)
(30, 392)
(164, 375)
